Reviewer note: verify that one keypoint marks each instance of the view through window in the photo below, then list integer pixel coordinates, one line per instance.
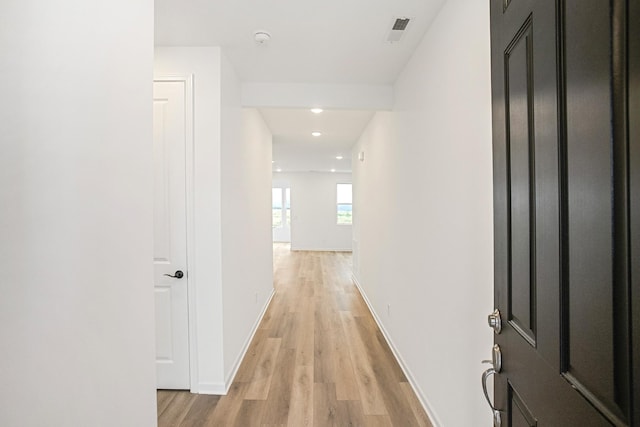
(280, 207)
(276, 207)
(287, 204)
(345, 206)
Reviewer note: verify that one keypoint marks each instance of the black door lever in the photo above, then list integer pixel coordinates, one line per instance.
(178, 275)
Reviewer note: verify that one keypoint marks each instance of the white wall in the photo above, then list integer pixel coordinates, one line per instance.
(204, 64)
(247, 258)
(423, 215)
(232, 178)
(76, 292)
(314, 211)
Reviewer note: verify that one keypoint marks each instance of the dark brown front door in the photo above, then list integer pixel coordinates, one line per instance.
(566, 169)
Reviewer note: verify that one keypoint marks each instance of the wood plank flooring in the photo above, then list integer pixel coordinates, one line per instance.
(317, 359)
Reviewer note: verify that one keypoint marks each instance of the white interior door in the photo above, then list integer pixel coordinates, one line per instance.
(170, 235)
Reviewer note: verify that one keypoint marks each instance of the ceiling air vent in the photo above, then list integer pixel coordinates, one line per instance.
(397, 30)
(400, 24)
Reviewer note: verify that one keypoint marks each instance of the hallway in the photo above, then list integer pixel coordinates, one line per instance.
(317, 359)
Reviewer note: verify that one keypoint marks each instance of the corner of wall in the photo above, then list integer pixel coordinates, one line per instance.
(245, 219)
(433, 417)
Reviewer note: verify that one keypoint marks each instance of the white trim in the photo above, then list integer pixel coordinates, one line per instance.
(218, 389)
(320, 249)
(187, 80)
(236, 365)
(407, 372)
(223, 388)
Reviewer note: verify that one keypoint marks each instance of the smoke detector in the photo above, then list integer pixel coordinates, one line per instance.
(398, 28)
(261, 37)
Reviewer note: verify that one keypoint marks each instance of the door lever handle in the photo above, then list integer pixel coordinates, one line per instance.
(497, 418)
(178, 275)
(496, 358)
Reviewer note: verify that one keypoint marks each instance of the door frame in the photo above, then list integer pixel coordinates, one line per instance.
(187, 81)
(633, 104)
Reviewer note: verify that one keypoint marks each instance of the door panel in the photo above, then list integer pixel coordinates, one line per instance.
(561, 207)
(164, 339)
(520, 415)
(521, 151)
(590, 205)
(170, 243)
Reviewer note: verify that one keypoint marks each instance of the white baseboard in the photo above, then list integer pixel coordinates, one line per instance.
(407, 372)
(236, 365)
(322, 249)
(212, 388)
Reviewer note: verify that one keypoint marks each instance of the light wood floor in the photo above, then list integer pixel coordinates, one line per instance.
(317, 359)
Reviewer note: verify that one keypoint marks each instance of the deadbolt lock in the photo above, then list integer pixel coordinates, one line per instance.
(495, 321)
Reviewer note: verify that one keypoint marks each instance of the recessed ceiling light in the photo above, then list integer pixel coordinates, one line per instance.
(316, 133)
(273, 161)
(317, 110)
(278, 170)
(339, 157)
(333, 170)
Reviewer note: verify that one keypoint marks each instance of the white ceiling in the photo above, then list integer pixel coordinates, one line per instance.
(296, 150)
(313, 42)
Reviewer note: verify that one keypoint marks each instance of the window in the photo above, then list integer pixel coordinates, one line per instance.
(276, 207)
(279, 205)
(287, 203)
(345, 207)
